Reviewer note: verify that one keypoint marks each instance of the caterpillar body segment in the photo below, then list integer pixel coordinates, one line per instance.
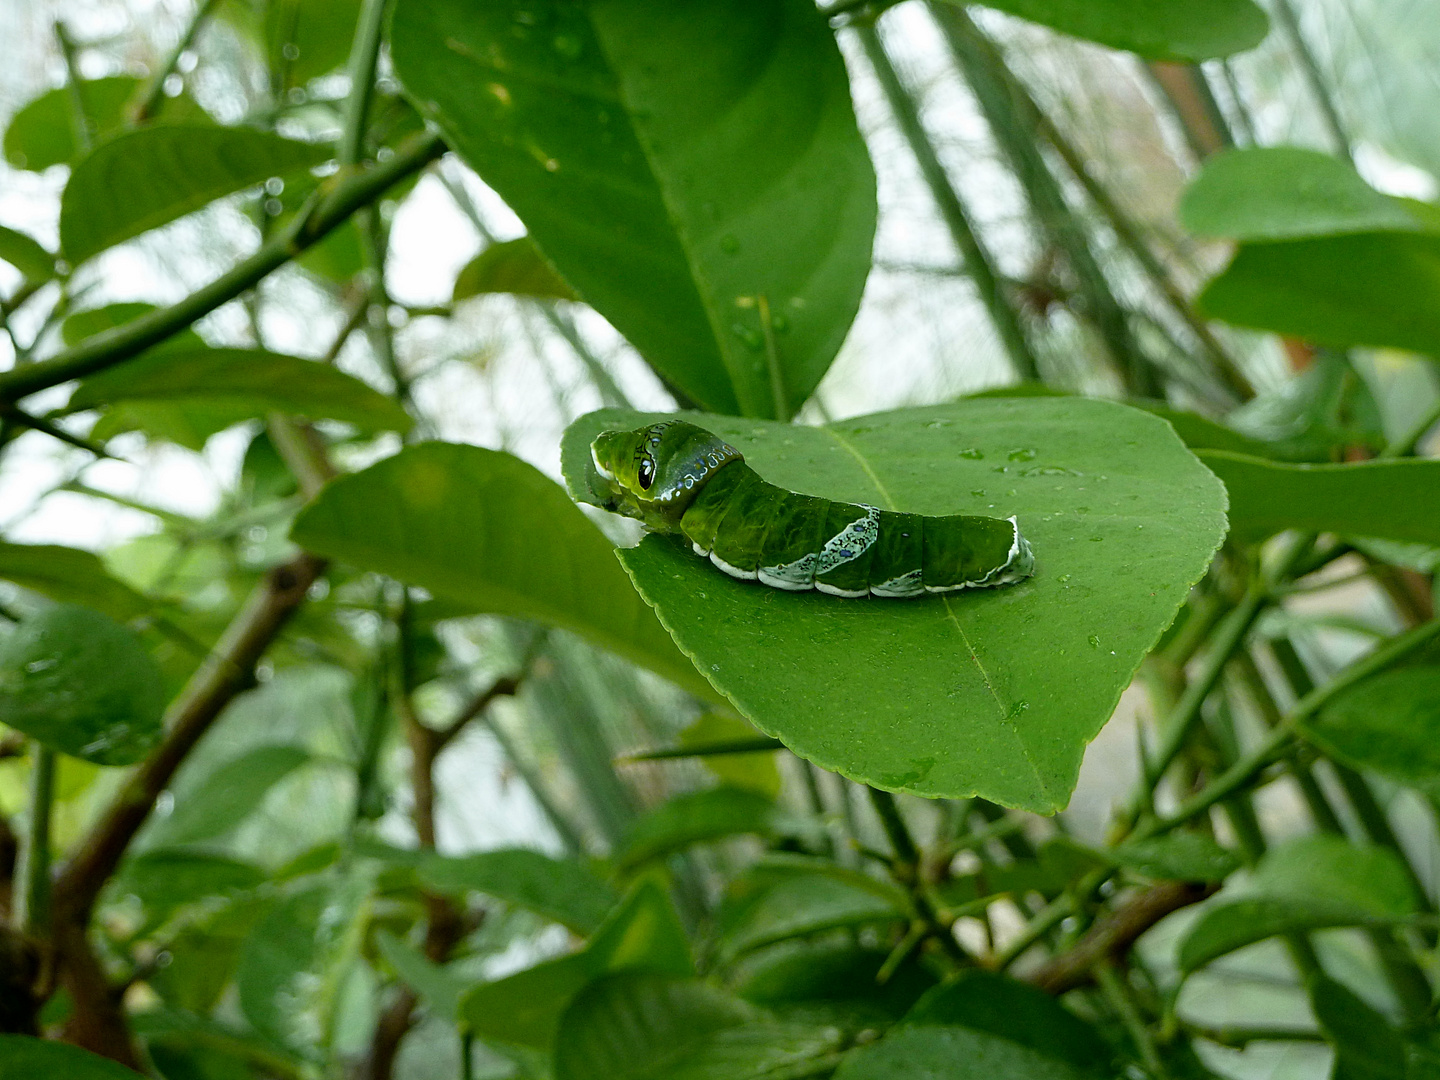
(679, 478)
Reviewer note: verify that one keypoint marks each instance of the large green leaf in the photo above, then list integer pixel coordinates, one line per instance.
(937, 1052)
(799, 905)
(81, 684)
(1366, 1046)
(643, 934)
(511, 266)
(26, 254)
(1309, 883)
(1285, 192)
(226, 795)
(306, 38)
(992, 691)
(687, 166)
(1390, 723)
(1192, 30)
(654, 1027)
(1365, 289)
(484, 528)
(1393, 500)
(243, 382)
(1016, 1011)
(560, 889)
(694, 818)
(70, 576)
(279, 956)
(166, 880)
(156, 174)
(24, 1058)
(41, 135)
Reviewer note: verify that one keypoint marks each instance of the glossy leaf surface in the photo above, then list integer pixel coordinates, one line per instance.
(640, 142)
(1176, 857)
(70, 576)
(950, 1053)
(243, 383)
(1156, 29)
(81, 684)
(24, 1058)
(1285, 192)
(1392, 500)
(649, 1027)
(992, 691)
(644, 934)
(40, 134)
(1366, 289)
(1390, 724)
(1012, 1010)
(559, 889)
(696, 817)
(156, 174)
(511, 266)
(484, 528)
(26, 254)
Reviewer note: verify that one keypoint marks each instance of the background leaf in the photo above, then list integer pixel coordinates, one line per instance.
(26, 254)
(243, 383)
(1367, 289)
(156, 174)
(694, 818)
(950, 1053)
(1390, 723)
(82, 684)
(657, 119)
(802, 904)
(1366, 1046)
(1015, 1011)
(1178, 856)
(644, 1027)
(24, 1058)
(226, 795)
(40, 135)
(511, 266)
(70, 576)
(308, 38)
(1284, 192)
(559, 889)
(1194, 30)
(1393, 500)
(992, 691)
(485, 528)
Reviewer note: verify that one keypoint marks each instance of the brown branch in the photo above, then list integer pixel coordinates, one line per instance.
(1114, 932)
(97, 1021)
(506, 687)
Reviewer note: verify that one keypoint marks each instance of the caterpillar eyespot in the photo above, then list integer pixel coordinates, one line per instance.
(679, 478)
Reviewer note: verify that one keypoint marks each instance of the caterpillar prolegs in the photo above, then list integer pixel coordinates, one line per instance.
(679, 478)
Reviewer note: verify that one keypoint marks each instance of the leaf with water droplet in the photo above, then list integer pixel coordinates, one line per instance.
(82, 684)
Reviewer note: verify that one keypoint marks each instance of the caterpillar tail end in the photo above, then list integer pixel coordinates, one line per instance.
(1020, 563)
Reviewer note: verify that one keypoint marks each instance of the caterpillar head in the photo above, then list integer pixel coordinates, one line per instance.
(654, 473)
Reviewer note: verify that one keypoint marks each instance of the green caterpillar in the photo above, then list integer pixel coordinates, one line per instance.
(679, 478)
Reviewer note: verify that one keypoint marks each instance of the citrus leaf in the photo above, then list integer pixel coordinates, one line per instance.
(82, 684)
(1366, 289)
(637, 1026)
(70, 576)
(484, 528)
(693, 818)
(1391, 500)
(24, 1058)
(26, 254)
(511, 266)
(40, 134)
(560, 889)
(1155, 29)
(241, 383)
(688, 168)
(1180, 856)
(938, 1052)
(1285, 192)
(989, 691)
(1389, 723)
(144, 178)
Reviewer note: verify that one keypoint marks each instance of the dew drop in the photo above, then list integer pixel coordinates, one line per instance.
(971, 454)
(748, 335)
(568, 46)
(1094, 641)
(1022, 454)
